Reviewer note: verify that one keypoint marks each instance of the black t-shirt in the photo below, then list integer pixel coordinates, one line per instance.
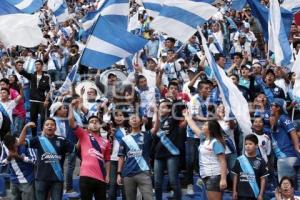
(260, 170)
(44, 170)
(171, 128)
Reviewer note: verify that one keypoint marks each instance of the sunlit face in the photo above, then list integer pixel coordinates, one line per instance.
(258, 124)
(173, 90)
(164, 109)
(250, 147)
(135, 121)
(205, 90)
(286, 188)
(3, 85)
(270, 78)
(119, 118)
(4, 95)
(205, 129)
(94, 125)
(62, 111)
(91, 94)
(49, 128)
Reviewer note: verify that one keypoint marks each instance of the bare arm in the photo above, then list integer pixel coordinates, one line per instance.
(262, 187)
(223, 183)
(191, 123)
(295, 140)
(156, 124)
(72, 122)
(22, 136)
(120, 167)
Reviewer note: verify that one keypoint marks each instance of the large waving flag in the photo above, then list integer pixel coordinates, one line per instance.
(180, 19)
(153, 7)
(232, 98)
(278, 39)
(296, 89)
(116, 10)
(70, 79)
(108, 44)
(26, 6)
(291, 5)
(18, 28)
(60, 9)
(262, 13)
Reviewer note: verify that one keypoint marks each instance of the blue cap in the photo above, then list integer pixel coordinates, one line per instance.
(281, 103)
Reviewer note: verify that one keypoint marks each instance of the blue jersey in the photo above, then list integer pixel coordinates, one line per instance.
(21, 171)
(281, 139)
(136, 150)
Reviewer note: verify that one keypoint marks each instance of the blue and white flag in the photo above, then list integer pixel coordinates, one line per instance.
(261, 12)
(108, 44)
(59, 9)
(233, 100)
(296, 89)
(70, 79)
(291, 5)
(18, 28)
(153, 7)
(27, 6)
(205, 1)
(116, 10)
(180, 19)
(278, 39)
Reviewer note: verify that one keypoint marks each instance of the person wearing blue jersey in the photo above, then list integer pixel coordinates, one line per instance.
(51, 151)
(133, 165)
(166, 149)
(21, 162)
(285, 142)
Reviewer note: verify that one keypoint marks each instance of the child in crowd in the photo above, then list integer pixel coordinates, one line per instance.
(249, 172)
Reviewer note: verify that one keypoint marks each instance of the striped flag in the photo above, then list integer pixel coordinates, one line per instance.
(23, 27)
(153, 7)
(278, 39)
(108, 44)
(116, 10)
(296, 89)
(70, 79)
(180, 19)
(26, 6)
(291, 5)
(233, 100)
(60, 9)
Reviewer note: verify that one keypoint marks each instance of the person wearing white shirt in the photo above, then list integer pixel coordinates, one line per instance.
(8, 104)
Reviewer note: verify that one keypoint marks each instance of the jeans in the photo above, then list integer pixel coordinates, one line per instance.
(18, 125)
(285, 167)
(90, 187)
(37, 108)
(26, 90)
(113, 186)
(192, 157)
(141, 181)
(42, 189)
(172, 167)
(71, 159)
(22, 191)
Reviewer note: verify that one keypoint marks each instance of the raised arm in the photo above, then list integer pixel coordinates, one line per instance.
(22, 137)
(192, 124)
(72, 122)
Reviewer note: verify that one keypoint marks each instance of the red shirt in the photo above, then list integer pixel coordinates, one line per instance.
(90, 156)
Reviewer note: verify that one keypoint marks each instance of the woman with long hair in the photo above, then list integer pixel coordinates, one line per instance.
(212, 162)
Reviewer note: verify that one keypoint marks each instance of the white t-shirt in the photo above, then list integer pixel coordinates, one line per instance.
(264, 144)
(9, 106)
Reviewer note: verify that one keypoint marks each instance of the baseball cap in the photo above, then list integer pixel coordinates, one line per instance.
(281, 103)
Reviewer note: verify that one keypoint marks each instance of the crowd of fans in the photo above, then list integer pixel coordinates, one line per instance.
(166, 116)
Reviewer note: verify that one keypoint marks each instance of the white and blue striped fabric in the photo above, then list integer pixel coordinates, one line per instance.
(60, 9)
(233, 100)
(109, 43)
(291, 5)
(153, 7)
(278, 39)
(179, 19)
(23, 27)
(27, 6)
(116, 10)
(296, 69)
(70, 79)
